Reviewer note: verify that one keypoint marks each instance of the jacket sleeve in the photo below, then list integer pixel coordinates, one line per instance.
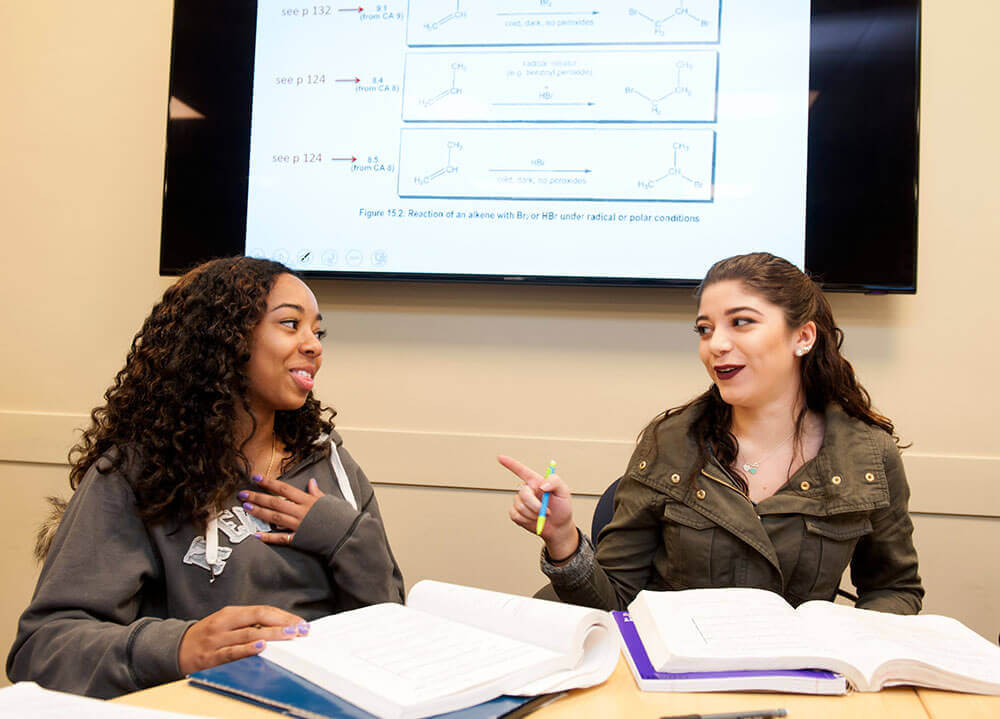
(622, 565)
(83, 631)
(884, 566)
(353, 543)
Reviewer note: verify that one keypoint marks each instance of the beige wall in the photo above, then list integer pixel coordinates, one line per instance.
(432, 380)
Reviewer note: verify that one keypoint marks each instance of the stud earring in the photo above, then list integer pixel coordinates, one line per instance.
(802, 350)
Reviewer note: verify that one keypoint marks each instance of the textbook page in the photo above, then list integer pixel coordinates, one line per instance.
(927, 650)
(27, 699)
(404, 663)
(586, 635)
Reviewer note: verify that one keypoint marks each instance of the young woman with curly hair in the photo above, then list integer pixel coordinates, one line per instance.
(779, 476)
(215, 507)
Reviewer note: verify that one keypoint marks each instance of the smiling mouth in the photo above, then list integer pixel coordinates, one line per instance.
(303, 378)
(727, 372)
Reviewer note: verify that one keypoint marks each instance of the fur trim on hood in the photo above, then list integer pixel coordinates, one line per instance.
(47, 531)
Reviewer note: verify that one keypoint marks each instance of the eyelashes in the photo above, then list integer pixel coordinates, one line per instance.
(704, 330)
(292, 323)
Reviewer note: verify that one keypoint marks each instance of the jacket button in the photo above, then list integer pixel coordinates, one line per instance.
(804, 486)
(642, 464)
(836, 479)
(700, 494)
(675, 478)
(869, 477)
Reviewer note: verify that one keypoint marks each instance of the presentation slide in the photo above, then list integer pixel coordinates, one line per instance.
(546, 138)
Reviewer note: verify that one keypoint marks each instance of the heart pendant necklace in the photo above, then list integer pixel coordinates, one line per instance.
(752, 467)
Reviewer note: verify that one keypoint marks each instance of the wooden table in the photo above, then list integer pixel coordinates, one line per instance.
(620, 698)
(945, 705)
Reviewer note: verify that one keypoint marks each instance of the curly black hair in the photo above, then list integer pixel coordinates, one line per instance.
(175, 403)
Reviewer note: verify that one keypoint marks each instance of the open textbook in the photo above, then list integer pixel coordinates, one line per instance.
(795, 681)
(726, 629)
(451, 647)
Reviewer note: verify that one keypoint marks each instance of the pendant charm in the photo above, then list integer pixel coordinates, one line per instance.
(751, 468)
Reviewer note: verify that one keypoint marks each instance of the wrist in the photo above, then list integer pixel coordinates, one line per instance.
(561, 549)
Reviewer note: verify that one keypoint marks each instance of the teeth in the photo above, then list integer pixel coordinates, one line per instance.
(301, 372)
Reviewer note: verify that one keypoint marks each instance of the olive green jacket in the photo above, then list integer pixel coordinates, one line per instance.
(680, 526)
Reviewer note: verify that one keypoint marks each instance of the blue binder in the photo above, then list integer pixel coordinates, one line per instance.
(266, 684)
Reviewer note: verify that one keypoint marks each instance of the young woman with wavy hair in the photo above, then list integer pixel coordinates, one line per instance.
(215, 508)
(779, 476)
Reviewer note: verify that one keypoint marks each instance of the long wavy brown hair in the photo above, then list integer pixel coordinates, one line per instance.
(173, 407)
(827, 377)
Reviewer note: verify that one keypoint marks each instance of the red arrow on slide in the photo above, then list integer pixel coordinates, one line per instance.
(344, 159)
(355, 80)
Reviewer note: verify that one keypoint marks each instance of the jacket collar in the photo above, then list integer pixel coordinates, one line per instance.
(847, 474)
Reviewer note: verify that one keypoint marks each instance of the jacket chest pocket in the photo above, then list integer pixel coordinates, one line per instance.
(696, 550)
(827, 548)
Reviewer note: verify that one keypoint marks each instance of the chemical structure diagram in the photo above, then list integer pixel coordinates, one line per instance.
(679, 89)
(447, 169)
(675, 171)
(456, 15)
(680, 11)
(456, 67)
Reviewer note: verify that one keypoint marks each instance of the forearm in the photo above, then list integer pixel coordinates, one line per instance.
(581, 579)
(71, 652)
(355, 548)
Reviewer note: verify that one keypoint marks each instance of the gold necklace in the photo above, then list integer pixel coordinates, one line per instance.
(274, 447)
(752, 468)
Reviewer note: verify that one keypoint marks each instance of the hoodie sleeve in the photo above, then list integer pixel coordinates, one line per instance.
(353, 543)
(84, 631)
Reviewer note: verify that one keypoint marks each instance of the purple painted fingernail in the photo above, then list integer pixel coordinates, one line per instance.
(243, 495)
(304, 628)
(289, 630)
(247, 506)
(257, 478)
(258, 644)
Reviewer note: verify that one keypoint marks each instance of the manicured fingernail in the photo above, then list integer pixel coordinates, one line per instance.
(257, 535)
(243, 495)
(257, 478)
(290, 630)
(312, 483)
(304, 628)
(247, 506)
(258, 644)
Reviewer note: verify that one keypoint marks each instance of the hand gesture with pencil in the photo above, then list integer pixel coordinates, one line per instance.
(543, 505)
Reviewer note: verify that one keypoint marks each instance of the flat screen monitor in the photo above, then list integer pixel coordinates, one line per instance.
(546, 141)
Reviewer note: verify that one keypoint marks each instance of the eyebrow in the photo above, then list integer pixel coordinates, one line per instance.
(292, 305)
(737, 310)
(731, 311)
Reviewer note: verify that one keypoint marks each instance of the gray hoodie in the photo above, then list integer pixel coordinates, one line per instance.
(116, 595)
